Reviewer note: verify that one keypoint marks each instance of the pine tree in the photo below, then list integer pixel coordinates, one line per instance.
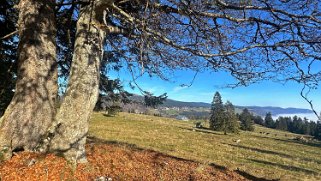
(313, 127)
(297, 125)
(269, 122)
(306, 126)
(247, 122)
(153, 101)
(8, 53)
(217, 113)
(258, 120)
(231, 121)
(318, 131)
(281, 123)
(111, 95)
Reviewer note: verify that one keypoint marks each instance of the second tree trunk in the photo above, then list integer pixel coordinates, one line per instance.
(82, 92)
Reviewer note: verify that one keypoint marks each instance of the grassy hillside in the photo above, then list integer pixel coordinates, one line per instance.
(272, 156)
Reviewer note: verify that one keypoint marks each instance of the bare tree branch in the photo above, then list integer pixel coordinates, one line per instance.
(9, 35)
(304, 95)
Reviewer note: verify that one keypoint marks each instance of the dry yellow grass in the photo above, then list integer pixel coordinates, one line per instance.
(272, 156)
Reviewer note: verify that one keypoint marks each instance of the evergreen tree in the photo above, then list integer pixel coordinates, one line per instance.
(313, 127)
(247, 122)
(217, 113)
(269, 122)
(258, 120)
(8, 52)
(306, 126)
(111, 95)
(153, 101)
(290, 125)
(281, 123)
(230, 123)
(318, 131)
(297, 125)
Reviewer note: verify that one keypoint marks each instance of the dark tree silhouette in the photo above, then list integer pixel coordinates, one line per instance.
(217, 114)
(8, 53)
(269, 122)
(247, 122)
(111, 95)
(153, 101)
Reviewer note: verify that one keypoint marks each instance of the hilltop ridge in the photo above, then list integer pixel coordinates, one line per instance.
(258, 110)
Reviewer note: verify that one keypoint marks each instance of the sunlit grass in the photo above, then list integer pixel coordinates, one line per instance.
(273, 155)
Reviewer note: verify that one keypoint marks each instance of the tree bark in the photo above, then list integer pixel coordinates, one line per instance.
(71, 126)
(32, 108)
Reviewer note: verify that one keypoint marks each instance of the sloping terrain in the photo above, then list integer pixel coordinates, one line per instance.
(140, 147)
(265, 153)
(111, 161)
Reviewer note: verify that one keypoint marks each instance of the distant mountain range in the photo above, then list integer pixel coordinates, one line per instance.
(262, 110)
(174, 103)
(258, 110)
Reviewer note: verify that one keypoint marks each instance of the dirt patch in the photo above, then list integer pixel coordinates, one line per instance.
(111, 161)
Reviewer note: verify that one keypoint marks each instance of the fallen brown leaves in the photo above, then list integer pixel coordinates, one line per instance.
(108, 160)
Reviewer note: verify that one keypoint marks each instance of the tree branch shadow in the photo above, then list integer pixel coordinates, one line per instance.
(202, 130)
(262, 151)
(289, 140)
(133, 147)
(307, 143)
(285, 167)
(252, 177)
(158, 156)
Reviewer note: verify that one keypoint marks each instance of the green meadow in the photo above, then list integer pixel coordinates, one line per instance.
(264, 153)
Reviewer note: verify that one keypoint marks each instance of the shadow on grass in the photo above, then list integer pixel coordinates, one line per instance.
(318, 145)
(282, 154)
(95, 140)
(252, 177)
(243, 173)
(262, 151)
(219, 167)
(108, 115)
(202, 130)
(157, 156)
(285, 167)
(307, 143)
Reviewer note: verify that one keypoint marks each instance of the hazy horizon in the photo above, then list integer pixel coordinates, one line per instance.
(205, 84)
(310, 116)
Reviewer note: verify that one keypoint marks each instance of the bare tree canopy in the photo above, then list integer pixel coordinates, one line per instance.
(254, 40)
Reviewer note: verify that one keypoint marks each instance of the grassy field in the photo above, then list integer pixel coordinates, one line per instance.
(271, 156)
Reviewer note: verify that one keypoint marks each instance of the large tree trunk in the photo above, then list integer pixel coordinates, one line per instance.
(71, 126)
(32, 108)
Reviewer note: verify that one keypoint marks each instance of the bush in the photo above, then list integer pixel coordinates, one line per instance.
(198, 125)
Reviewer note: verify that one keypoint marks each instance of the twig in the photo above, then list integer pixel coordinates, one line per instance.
(10, 34)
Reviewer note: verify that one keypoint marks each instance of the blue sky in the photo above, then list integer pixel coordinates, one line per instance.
(266, 93)
(206, 84)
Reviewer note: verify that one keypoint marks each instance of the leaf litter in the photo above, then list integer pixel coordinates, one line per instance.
(111, 161)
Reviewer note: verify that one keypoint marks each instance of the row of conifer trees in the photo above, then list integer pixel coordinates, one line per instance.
(223, 118)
